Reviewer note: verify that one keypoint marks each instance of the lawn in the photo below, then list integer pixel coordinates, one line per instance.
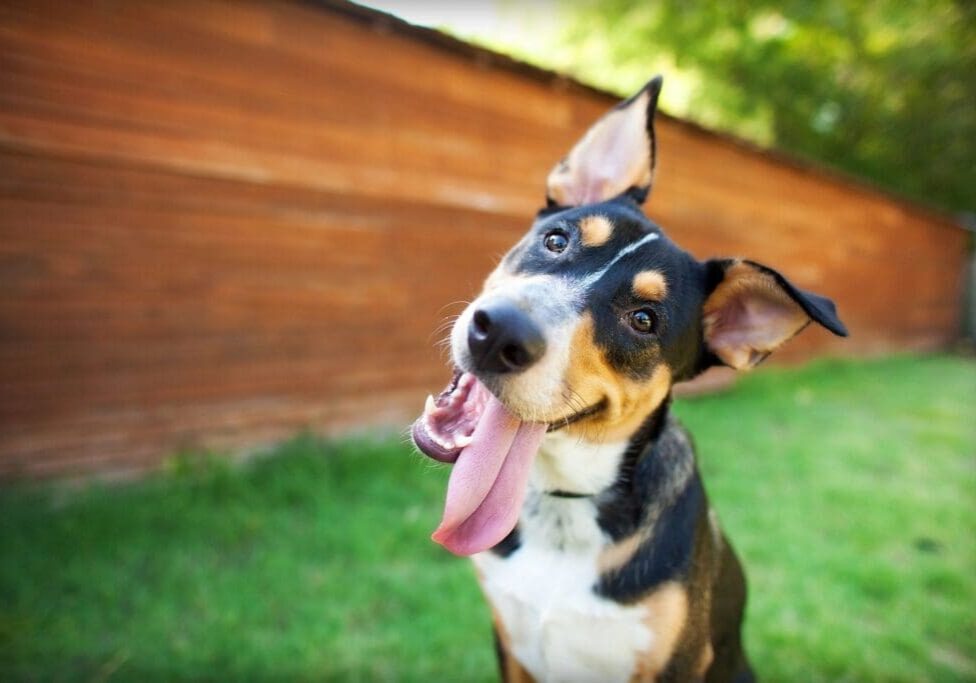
(848, 488)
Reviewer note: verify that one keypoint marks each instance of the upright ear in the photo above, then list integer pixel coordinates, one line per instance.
(616, 155)
(752, 310)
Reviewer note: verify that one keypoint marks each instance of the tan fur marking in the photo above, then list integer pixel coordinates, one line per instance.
(629, 401)
(595, 230)
(705, 659)
(743, 281)
(616, 555)
(650, 285)
(667, 614)
(512, 671)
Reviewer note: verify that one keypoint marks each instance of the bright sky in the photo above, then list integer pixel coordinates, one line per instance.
(501, 21)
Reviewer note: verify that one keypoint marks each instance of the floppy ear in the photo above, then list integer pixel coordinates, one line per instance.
(752, 310)
(616, 155)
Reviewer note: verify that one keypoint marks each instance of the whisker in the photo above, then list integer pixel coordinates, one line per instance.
(442, 334)
(444, 324)
(453, 303)
(575, 396)
(575, 400)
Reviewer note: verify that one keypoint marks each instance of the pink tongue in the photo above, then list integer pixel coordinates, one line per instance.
(487, 485)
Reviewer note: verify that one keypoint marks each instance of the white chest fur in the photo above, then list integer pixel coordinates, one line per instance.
(557, 627)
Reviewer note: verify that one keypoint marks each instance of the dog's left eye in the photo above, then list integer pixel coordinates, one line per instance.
(556, 241)
(641, 320)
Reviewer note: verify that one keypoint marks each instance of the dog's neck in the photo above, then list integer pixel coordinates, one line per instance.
(567, 465)
(570, 466)
(584, 495)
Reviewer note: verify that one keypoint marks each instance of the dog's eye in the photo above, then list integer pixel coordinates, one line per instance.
(642, 320)
(556, 241)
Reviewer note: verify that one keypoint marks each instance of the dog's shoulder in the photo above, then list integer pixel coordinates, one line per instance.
(654, 520)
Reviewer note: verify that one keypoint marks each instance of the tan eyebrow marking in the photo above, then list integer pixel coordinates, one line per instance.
(651, 285)
(595, 230)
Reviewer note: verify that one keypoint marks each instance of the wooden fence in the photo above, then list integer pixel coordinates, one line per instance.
(222, 222)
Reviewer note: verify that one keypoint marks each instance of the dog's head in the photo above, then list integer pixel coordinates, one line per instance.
(587, 323)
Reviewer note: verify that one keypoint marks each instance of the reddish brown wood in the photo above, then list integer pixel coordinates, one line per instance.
(222, 222)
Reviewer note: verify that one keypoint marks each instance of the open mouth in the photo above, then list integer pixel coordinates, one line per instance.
(449, 421)
(492, 451)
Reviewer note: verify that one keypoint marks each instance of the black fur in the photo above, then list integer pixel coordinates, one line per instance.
(622, 508)
(509, 544)
(665, 555)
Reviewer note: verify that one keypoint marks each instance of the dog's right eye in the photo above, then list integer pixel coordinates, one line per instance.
(641, 320)
(556, 241)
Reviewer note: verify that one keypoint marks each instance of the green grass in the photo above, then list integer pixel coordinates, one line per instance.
(849, 489)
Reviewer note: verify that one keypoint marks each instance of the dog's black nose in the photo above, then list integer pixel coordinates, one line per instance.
(502, 338)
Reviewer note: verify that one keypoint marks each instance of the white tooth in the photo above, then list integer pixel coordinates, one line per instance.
(429, 404)
(463, 441)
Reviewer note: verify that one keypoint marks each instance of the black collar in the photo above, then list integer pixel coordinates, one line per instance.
(568, 494)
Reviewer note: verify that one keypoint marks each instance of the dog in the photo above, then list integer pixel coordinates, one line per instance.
(573, 489)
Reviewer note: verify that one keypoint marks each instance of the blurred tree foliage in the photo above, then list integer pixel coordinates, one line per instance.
(883, 89)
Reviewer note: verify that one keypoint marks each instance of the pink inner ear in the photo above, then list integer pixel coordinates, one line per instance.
(748, 317)
(613, 156)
